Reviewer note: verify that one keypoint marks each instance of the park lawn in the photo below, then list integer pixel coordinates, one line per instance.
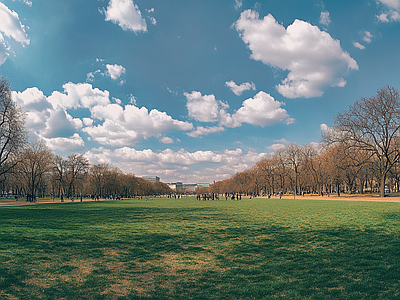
(188, 249)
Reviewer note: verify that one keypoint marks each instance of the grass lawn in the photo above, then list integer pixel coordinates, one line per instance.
(188, 249)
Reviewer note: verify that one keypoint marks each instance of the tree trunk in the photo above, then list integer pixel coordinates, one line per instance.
(382, 185)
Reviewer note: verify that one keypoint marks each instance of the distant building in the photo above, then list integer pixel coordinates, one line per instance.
(152, 178)
(176, 186)
(190, 187)
(203, 184)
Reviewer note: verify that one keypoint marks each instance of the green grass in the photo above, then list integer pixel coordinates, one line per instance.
(188, 249)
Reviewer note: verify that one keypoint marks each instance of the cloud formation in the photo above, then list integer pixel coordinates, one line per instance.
(239, 89)
(313, 58)
(10, 27)
(324, 18)
(261, 110)
(50, 118)
(391, 11)
(126, 14)
(115, 71)
(358, 45)
(179, 165)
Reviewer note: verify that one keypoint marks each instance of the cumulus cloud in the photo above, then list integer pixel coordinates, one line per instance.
(391, 11)
(367, 37)
(324, 127)
(115, 71)
(166, 140)
(126, 14)
(43, 119)
(279, 144)
(324, 18)
(79, 95)
(358, 45)
(71, 144)
(239, 89)
(200, 130)
(313, 58)
(130, 124)
(180, 165)
(238, 4)
(261, 110)
(202, 108)
(51, 118)
(10, 28)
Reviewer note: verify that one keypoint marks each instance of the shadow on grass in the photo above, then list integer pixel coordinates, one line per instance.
(122, 252)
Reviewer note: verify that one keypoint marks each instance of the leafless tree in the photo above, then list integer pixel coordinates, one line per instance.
(13, 133)
(372, 125)
(76, 166)
(36, 160)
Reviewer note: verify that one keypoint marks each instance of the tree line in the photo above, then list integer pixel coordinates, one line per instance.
(359, 154)
(32, 169)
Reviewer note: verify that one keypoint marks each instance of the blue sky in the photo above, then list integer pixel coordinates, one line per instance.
(192, 91)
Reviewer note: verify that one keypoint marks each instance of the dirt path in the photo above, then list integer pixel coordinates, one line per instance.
(23, 202)
(346, 197)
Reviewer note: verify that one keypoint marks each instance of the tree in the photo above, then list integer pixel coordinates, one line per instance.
(59, 171)
(76, 166)
(372, 124)
(294, 159)
(13, 133)
(36, 160)
(99, 173)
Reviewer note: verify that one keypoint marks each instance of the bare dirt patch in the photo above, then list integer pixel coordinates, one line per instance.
(343, 197)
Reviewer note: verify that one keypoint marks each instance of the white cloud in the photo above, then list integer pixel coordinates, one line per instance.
(392, 11)
(126, 14)
(324, 18)
(71, 144)
(10, 27)
(358, 45)
(115, 71)
(27, 2)
(152, 20)
(279, 144)
(90, 75)
(110, 123)
(178, 165)
(261, 110)
(166, 140)
(313, 58)
(394, 4)
(238, 4)
(239, 89)
(79, 95)
(200, 130)
(324, 127)
(367, 37)
(130, 124)
(202, 108)
(383, 18)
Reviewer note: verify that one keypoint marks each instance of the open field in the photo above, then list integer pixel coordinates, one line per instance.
(188, 249)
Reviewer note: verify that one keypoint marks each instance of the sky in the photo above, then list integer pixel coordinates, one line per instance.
(192, 91)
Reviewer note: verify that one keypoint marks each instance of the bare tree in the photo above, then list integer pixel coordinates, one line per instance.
(13, 133)
(99, 173)
(294, 159)
(59, 171)
(372, 124)
(36, 161)
(76, 166)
